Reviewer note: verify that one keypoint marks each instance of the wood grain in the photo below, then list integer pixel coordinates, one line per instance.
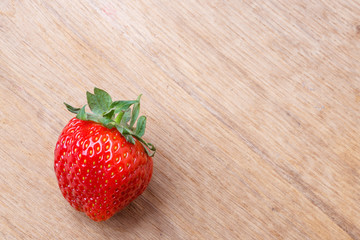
(254, 107)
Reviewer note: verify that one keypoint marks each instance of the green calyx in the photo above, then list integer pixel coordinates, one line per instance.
(117, 114)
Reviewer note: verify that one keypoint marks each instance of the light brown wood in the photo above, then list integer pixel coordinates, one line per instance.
(254, 107)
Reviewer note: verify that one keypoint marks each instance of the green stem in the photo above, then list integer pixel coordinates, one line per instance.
(119, 117)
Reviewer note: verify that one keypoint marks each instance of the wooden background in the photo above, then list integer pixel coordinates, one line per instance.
(254, 107)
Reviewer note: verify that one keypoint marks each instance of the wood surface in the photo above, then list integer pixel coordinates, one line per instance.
(254, 107)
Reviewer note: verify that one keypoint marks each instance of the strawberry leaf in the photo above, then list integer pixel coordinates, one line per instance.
(147, 147)
(120, 129)
(126, 117)
(130, 139)
(151, 146)
(123, 130)
(93, 117)
(121, 105)
(71, 108)
(81, 114)
(99, 102)
(109, 114)
(107, 122)
(140, 126)
(117, 115)
(103, 97)
(135, 111)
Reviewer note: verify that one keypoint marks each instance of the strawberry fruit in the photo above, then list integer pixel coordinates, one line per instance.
(101, 161)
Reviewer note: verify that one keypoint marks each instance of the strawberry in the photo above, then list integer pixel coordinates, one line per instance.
(101, 161)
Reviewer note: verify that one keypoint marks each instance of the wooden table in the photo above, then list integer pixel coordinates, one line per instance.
(254, 107)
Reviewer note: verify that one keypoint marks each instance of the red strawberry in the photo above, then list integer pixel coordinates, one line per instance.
(101, 161)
